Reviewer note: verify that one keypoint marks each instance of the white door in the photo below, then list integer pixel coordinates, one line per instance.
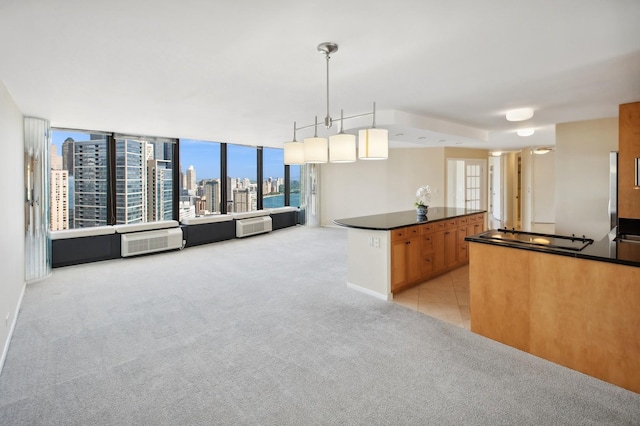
(466, 183)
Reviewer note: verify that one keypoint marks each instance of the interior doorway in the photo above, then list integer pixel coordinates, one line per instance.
(496, 219)
(467, 183)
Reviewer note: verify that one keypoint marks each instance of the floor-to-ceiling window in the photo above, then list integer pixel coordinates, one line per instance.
(200, 183)
(99, 179)
(79, 179)
(242, 185)
(294, 185)
(144, 179)
(273, 185)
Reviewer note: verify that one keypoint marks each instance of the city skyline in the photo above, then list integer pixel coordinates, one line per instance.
(204, 157)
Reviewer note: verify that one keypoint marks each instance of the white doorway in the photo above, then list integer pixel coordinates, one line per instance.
(495, 192)
(467, 183)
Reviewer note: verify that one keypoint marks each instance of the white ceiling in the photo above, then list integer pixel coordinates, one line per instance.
(242, 71)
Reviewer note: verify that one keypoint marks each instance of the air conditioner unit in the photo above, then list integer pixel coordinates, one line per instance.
(136, 243)
(253, 226)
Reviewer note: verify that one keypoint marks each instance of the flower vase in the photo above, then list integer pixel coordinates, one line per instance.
(421, 210)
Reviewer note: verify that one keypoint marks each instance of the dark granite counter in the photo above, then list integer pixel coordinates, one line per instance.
(604, 250)
(389, 221)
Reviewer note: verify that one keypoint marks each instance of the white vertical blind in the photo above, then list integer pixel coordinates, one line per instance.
(37, 138)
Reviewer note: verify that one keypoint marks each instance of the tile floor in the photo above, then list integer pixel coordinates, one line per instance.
(445, 297)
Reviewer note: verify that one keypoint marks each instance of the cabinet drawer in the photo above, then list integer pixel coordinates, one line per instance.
(427, 229)
(439, 226)
(412, 231)
(463, 221)
(398, 234)
(472, 218)
(451, 223)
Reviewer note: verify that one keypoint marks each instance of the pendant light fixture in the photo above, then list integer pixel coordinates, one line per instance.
(373, 144)
(315, 148)
(341, 148)
(294, 150)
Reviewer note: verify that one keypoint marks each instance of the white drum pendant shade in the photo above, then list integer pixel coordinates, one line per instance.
(294, 153)
(373, 144)
(316, 150)
(342, 148)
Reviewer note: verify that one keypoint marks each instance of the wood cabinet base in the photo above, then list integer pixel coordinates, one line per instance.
(579, 313)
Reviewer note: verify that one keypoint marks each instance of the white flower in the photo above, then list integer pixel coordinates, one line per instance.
(423, 196)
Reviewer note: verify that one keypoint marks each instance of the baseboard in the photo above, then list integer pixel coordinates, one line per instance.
(385, 297)
(5, 351)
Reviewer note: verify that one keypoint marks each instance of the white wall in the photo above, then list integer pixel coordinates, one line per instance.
(544, 187)
(11, 216)
(381, 186)
(582, 176)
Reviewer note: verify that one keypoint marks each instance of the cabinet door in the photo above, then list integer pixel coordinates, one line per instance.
(439, 263)
(398, 264)
(414, 259)
(450, 248)
(463, 255)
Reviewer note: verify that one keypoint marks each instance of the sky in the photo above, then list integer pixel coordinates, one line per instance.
(205, 158)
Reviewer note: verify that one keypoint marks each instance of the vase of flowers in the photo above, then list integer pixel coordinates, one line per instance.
(423, 198)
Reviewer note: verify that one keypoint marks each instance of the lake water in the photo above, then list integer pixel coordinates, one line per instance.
(274, 201)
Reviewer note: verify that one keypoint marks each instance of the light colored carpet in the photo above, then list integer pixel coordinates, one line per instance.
(264, 331)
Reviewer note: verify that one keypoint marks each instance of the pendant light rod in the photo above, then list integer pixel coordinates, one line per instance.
(327, 119)
(343, 119)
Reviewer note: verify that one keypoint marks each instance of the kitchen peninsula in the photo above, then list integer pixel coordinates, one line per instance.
(572, 301)
(393, 251)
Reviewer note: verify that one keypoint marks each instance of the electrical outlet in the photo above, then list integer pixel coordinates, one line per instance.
(6, 320)
(376, 242)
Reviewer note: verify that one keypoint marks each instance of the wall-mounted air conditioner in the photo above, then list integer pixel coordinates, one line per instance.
(136, 243)
(253, 226)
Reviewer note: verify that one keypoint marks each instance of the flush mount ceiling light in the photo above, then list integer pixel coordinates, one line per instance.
(541, 150)
(519, 114)
(373, 143)
(496, 153)
(525, 132)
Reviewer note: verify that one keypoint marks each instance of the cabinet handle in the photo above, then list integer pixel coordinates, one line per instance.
(408, 242)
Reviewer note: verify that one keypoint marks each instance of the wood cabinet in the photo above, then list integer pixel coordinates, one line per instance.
(421, 252)
(629, 150)
(579, 313)
(406, 257)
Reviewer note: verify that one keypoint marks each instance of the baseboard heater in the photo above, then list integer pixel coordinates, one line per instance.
(253, 226)
(136, 243)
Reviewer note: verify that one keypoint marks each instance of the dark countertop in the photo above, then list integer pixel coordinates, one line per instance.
(389, 221)
(604, 250)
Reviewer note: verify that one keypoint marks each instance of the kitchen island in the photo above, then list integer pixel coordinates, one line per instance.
(393, 251)
(575, 304)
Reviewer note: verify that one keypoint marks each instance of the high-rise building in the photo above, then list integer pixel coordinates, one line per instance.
(192, 186)
(67, 155)
(55, 160)
(212, 195)
(241, 200)
(159, 190)
(58, 192)
(131, 181)
(89, 170)
(59, 200)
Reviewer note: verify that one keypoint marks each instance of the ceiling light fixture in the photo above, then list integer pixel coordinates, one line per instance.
(525, 132)
(541, 150)
(496, 153)
(373, 143)
(519, 114)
